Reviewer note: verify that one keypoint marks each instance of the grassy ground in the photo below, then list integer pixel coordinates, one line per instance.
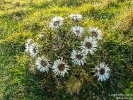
(23, 19)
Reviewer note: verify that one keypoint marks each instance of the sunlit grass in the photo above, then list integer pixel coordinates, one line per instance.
(23, 19)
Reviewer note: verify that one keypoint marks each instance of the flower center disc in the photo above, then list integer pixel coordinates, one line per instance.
(43, 63)
(56, 23)
(94, 34)
(75, 19)
(102, 71)
(61, 67)
(77, 31)
(88, 45)
(79, 56)
(34, 50)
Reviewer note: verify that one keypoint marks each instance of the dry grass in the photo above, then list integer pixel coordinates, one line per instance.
(108, 3)
(126, 22)
(74, 85)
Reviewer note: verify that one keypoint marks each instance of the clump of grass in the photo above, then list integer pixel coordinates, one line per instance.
(12, 45)
(126, 22)
(108, 3)
(36, 21)
(86, 9)
(73, 85)
(121, 0)
(129, 90)
(71, 3)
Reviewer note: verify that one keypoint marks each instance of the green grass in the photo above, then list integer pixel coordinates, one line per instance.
(22, 19)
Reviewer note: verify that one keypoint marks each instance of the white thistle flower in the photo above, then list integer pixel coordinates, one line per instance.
(89, 45)
(76, 17)
(42, 64)
(78, 58)
(56, 22)
(33, 50)
(27, 45)
(78, 31)
(102, 72)
(59, 67)
(95, 33)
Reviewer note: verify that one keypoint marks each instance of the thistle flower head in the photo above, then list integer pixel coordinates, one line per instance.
(89, 45)
(60, 67)
(78, 57)
(33, 50)
(95, 33)
(27, 45)
(76, 17)
(102, 72)
(78, 31)
(42, 64)
(56, 22)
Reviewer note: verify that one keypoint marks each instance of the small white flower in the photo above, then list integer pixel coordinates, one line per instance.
(42, 64)
(33, 50)
(95, 33)
(40, 35)
(89, 45)
(78, 58)
(27, 45)
(102, 72)
(60, 68)
(56, 22)
(78, 31)
(76, 17)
